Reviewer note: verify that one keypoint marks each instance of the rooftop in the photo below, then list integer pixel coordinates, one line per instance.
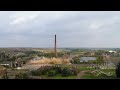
(86, 59)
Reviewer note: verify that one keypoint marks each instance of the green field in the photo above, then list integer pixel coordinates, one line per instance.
(60, 77)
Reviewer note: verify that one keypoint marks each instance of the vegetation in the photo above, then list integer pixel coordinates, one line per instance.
(5, 76)
(102, 74)
(61, 77)
(56, 71)
(51, 73)
(99, 60)
(75, 60)
(21, 76)
(100, 52)
(66, 72)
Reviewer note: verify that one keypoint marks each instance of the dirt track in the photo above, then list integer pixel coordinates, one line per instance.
(81, 74)
(34, 66)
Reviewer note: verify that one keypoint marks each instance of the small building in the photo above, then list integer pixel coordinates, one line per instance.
(19, 62)
(112, 51)
(7, 63)
(87, 59)
(13, 64)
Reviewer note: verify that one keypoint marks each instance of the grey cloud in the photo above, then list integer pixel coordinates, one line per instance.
(73, 29)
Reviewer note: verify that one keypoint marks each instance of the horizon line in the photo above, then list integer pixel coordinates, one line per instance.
(60, 47)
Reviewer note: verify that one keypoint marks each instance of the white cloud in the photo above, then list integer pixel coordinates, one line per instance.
(22, 17)
(96, 25)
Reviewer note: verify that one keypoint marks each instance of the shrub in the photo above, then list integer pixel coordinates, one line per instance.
(4, 77)
(66, 72)
(36, 73)
(75, 70)
(21, 76)
(57, 69)
(51, 73)
(75, 60)
(100, 60)
(41, 71)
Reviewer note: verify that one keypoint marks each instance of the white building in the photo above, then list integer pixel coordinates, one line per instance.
(113, 51)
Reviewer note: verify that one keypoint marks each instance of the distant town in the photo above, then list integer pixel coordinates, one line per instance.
(59, 63)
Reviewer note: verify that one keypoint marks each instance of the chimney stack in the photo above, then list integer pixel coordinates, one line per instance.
(55, 47)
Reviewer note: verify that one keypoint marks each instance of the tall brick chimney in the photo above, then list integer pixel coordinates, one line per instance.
(55, 47)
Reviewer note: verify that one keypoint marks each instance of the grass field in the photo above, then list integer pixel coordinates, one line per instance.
(60, 77)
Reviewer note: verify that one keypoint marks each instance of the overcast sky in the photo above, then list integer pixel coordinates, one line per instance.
(73, 28)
